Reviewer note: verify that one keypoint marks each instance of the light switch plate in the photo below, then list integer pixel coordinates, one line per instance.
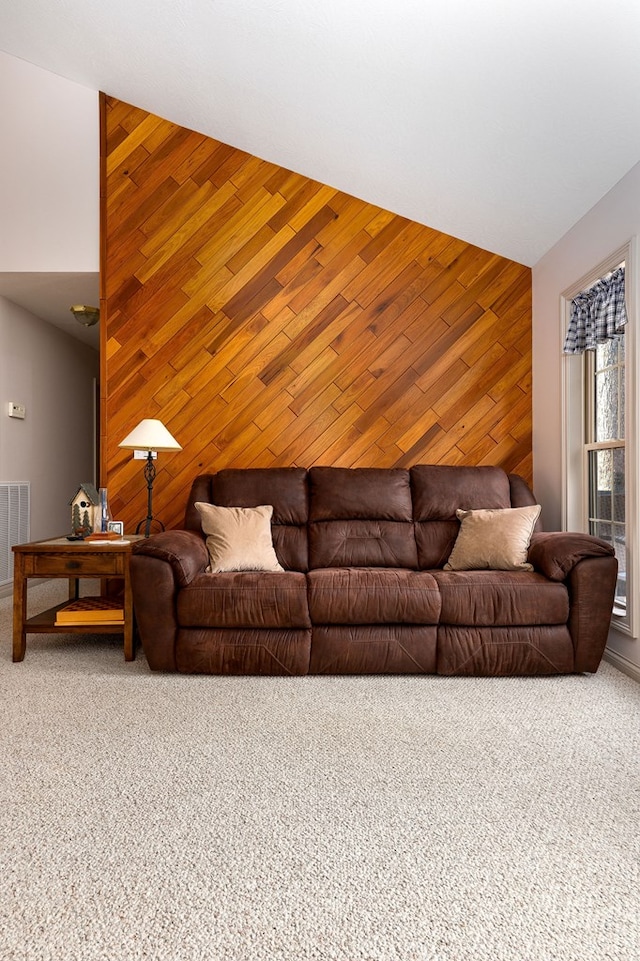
(16, 410)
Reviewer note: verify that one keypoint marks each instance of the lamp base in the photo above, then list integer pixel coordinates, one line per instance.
(149, 476)
(147, 523)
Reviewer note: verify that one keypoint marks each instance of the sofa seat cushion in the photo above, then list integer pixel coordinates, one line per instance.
(505, 651)
(350, 595)
(271, 651)
(501, 598)
(251, 599)
(374, 649)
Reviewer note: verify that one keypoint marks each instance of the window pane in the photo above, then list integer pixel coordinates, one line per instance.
(618, 512)
(602, 530)
(607, 508)
(607, 413)
(600, 486)
(606, 354)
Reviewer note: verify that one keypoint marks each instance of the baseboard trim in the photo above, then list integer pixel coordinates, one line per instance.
(622, 664)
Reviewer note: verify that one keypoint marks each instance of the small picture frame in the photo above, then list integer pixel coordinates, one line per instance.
(116, 527)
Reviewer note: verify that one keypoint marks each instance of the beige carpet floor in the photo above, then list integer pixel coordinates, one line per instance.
(173, 818)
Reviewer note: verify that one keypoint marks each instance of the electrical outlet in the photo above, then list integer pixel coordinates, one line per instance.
(16, 410)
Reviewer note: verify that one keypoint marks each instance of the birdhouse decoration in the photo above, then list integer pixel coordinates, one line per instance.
(85, 509)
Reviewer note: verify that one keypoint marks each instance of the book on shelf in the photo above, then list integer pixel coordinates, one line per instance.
(91, 610)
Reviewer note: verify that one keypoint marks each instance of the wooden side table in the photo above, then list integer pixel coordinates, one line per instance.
(60, 557)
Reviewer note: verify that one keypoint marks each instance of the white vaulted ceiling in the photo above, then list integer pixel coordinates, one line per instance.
(500, 122)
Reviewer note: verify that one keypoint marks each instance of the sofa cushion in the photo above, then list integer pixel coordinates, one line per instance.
(373, 493)
(373, 596)
(434, 542)
(374, 649)
(486, 598)
(493, 539)
(361, 543)
(245, 599)
(522, 495)
(360, 517)
(238, 538)
(438, 492)
(505, 651)
(243, 651)
(285, 488)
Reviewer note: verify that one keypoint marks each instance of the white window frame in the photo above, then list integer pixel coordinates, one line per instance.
(575, 502)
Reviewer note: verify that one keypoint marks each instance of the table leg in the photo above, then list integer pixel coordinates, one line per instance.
(19, 609)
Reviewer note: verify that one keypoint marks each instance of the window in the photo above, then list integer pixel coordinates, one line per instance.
(600, 425)
(605, 453)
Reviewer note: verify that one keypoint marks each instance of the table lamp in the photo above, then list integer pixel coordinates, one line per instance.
(150, 435)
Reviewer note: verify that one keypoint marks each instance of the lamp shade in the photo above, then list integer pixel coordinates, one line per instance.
(150, 435)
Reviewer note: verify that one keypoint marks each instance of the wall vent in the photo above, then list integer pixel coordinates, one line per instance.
(15, 522)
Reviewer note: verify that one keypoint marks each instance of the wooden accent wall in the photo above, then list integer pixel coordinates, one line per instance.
(268, 319)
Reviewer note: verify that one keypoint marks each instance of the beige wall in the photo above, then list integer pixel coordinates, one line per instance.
(53, 375)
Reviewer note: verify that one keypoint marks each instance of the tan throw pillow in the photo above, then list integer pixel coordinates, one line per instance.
(495, 540)
(238, 538)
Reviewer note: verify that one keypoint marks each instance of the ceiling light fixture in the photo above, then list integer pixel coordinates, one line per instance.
(87, 316)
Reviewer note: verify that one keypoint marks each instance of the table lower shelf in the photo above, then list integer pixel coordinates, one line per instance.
(45, 623)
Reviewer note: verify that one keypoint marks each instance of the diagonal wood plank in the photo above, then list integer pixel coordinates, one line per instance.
(269, 319)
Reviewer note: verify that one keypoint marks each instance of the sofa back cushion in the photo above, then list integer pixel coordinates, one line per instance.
(438, 492)
(200, 491)
(284, 488)
(360, 517)
(522, 496)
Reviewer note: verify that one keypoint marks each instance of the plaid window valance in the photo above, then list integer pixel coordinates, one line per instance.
(597, 314)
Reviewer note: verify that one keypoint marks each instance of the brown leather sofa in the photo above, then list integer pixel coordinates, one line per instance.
(363, 589)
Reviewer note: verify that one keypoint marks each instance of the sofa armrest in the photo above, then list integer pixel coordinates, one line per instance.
(592, 587)
(160, 566)
(185, 551)
(556, 553)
